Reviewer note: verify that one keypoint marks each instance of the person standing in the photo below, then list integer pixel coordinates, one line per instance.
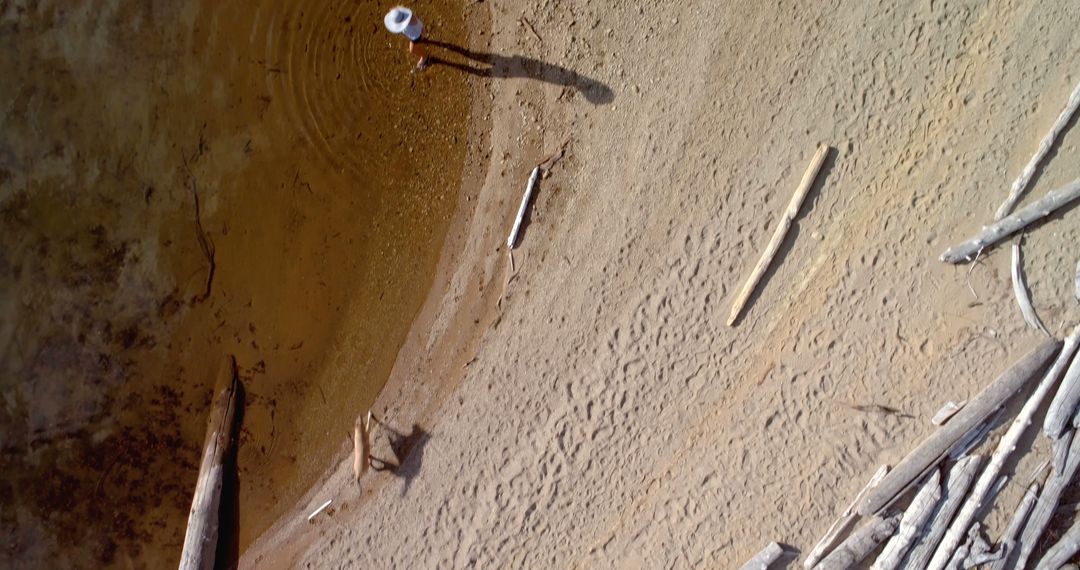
(401, 20)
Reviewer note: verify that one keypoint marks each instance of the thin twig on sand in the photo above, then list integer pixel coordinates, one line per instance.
(206, 245)
(529, 25)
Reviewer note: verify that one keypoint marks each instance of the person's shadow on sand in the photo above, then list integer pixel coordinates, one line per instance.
(501, 66)
(408, 451)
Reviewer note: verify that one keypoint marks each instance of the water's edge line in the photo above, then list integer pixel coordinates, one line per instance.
(283, 543)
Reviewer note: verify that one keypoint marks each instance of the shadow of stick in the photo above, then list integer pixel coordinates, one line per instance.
(408, 450)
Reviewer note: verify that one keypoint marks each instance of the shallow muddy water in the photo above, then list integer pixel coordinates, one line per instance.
(322, 175)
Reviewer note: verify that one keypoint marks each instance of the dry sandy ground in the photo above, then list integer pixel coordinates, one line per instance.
(610, 419)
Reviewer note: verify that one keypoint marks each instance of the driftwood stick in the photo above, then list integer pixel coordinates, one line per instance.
(980, 493)
(201, 538)
(947, 411)
(1076, 283)
(318, 510)
(781, 231)
(1023, 296)
(934, 448)
(1059, 451)
(1066, 546)
(998, 231)
(860, 544)
(1028, 173)
(911, 525)
(979, 548)
(1062, 407)
(1008, 539)
(956, 485)
(842, 524)
(761, 561)
(1047, 504)
(975, 437)
(361, 446)
(529, 25)
(511, 240)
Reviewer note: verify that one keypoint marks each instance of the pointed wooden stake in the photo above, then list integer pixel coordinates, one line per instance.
(201, 539)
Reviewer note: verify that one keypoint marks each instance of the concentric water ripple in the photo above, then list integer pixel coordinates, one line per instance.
(336, 58)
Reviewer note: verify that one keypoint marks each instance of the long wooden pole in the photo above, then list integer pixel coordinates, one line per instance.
(935, 447)
(200, 541)
(989, 236)
(781, 231)
(1028, 173)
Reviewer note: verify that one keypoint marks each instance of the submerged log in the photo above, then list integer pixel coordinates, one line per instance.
(991, 235)
(200, 541)
(781, 231)
(935, 447)
(980, 493)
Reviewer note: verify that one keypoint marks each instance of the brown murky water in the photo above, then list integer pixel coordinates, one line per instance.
(325, 175)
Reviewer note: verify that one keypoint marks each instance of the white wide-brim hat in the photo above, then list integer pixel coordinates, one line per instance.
(397, 19)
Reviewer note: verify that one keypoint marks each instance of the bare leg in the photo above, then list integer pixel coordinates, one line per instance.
(416, 48)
